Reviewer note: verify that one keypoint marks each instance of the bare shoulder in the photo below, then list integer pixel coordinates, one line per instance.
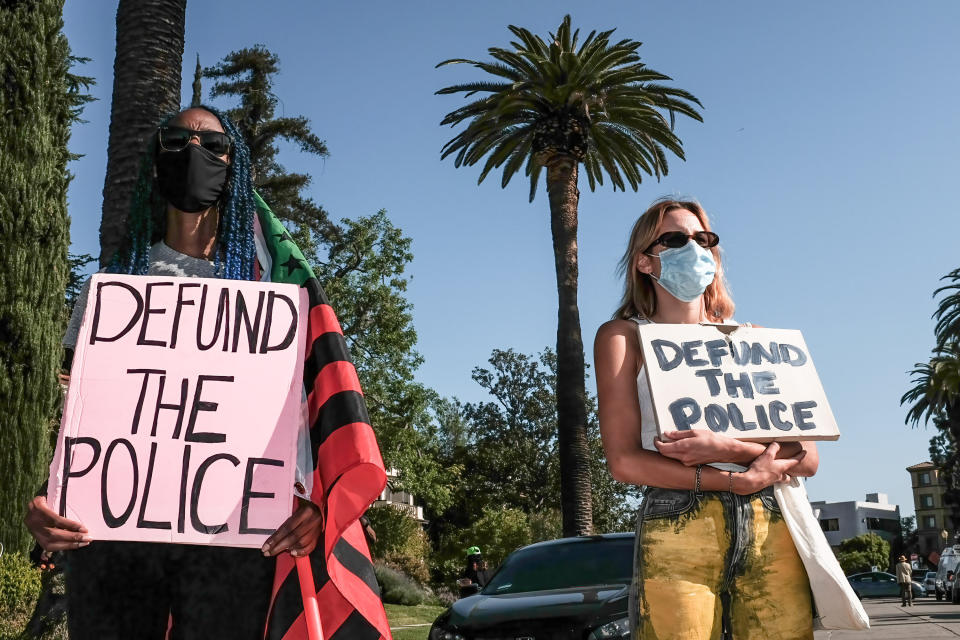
(617, 342)
(616, 330)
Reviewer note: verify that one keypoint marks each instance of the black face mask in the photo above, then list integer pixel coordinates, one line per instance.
(191, 179)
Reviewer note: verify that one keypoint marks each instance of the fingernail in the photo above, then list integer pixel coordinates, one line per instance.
(265, 548)
(294, 553)
(83, 544)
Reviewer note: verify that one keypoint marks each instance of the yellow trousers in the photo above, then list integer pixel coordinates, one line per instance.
(717, 566)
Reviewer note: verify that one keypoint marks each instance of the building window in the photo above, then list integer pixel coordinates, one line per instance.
(830, 524)
(883, 524)
(924, 478)
(929, 522)
(926, 500)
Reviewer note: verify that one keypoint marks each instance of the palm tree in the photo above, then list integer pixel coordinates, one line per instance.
(557, 104)
(935, 394)
(146, 87)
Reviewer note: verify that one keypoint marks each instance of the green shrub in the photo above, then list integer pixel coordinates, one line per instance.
(19, 590)
(401, 542)
(863, 552)
(498, 532)
(397, 588)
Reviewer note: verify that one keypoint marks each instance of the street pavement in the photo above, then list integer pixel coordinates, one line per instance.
(927, 618)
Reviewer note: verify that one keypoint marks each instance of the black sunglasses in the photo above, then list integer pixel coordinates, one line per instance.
(177, 139)
(676, 239)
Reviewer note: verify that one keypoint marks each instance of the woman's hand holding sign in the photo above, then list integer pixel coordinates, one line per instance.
(700, 446)
(696, 446)
(299, 534)
(766, 470)
(52, 532)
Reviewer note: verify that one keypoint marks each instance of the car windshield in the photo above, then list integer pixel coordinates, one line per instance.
(560, 566)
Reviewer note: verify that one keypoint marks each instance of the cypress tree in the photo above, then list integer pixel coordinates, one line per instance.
(37, 107)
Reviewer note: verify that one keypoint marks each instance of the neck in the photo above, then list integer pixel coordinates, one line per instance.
(192, 234)
(673, 311)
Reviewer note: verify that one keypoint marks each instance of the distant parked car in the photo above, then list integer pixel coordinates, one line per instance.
(946, 570)
(930, 582)
(878, 583)
(569, 588)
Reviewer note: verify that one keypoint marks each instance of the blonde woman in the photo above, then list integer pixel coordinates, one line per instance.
(714, 557)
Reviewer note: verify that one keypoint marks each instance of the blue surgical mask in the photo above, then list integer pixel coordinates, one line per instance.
(686, 272)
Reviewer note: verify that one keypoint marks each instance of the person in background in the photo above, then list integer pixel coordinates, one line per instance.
(475, 575)
(905, 581)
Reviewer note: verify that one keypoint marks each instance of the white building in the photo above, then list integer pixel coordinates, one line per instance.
(399, 499)
(843, 520)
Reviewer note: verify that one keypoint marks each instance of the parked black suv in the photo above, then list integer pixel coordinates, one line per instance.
(573, 588)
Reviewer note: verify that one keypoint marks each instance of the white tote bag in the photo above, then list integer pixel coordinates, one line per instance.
(837, 605)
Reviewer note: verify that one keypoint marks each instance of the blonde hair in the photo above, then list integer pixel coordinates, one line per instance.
(639, 297)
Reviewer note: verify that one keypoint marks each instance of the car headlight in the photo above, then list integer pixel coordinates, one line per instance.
(617, 629)
(439, 632)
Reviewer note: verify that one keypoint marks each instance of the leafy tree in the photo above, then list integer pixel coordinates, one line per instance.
(364, 277)
(863, 552)
(76, 276)
(40, 99)
(556, 104)
(401, 542)
(508, 449)
(146, 87)
(248, 75)
(935, 394)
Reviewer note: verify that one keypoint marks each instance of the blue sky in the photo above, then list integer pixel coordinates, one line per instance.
(826, 160)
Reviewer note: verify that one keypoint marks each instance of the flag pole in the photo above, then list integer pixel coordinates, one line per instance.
(311, 609)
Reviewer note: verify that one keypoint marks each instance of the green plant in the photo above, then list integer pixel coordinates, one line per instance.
(19, 590)
(397, 588)
(400, 541)
(863, 552)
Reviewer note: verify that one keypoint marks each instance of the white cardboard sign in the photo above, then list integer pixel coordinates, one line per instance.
(747, 383)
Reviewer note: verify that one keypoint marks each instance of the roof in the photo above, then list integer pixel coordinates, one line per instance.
(922, 465)
(581, 539)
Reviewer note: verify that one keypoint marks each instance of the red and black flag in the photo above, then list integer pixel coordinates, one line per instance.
(348, 472)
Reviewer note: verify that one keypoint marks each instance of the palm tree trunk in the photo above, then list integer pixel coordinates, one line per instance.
(146, 86)
(575, 487)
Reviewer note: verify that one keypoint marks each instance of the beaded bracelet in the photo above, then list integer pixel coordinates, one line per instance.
(730, 483)
(699, 471)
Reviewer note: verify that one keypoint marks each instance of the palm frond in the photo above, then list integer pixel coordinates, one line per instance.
(625, 110)
(948, 310)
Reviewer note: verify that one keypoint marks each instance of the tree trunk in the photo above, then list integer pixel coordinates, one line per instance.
(146, 87)
(575, 487)
(34, 235)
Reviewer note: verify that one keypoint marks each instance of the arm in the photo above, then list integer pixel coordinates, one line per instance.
(702, 447)
(52, 532)
(617, 361)
(300, 532)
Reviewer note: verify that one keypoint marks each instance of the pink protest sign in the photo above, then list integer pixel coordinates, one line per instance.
(183, 410)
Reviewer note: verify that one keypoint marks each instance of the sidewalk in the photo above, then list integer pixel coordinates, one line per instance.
(927, 618)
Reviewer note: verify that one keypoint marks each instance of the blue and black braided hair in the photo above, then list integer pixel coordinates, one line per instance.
(147, 222)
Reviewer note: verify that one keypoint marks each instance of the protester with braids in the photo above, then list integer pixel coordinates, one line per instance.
(150, 212)
(192, 214)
